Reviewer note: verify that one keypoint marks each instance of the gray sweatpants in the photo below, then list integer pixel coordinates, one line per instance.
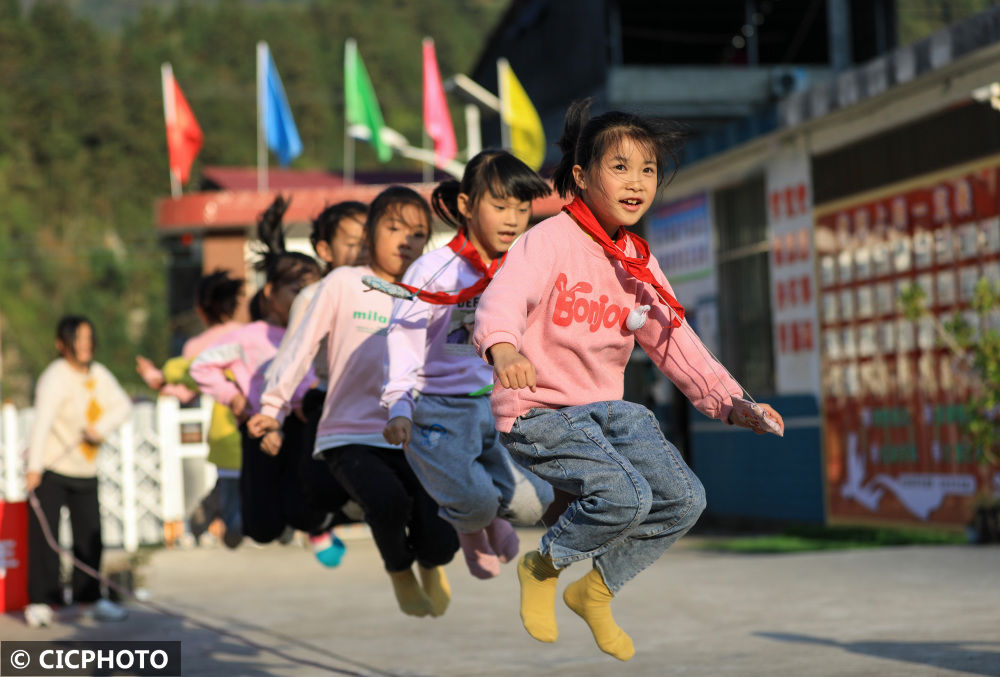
(456, 453)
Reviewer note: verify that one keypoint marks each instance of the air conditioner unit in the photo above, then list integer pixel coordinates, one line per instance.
(787, 81)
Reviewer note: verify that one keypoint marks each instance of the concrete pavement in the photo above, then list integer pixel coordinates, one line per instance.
(891, 612)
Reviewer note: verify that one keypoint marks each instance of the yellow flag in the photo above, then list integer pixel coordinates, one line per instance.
(527, 138)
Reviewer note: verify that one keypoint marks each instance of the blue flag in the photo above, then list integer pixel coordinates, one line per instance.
(279, 127)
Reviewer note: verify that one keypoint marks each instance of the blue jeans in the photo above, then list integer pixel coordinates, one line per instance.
(635, 494)
(456, 453)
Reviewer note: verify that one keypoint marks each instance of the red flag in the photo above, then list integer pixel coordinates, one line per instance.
(437, 119)
(184, 137)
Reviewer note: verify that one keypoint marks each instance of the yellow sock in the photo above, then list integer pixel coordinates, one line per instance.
(435, 584)
(410, 596)
(590, 599)
(538, 579)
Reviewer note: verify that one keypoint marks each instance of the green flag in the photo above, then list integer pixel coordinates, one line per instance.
(361, 106)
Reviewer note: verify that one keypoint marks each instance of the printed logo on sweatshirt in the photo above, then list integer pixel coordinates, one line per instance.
(596, 313)
(462, 322)
(372, 315)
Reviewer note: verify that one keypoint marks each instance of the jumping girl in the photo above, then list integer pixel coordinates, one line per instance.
(402, 517)
(558, 324)
(438, 384)
(232, 373)
(337, 237)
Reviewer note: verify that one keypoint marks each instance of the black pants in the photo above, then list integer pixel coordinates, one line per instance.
(403, 517)
(293, 488)
(79, 494)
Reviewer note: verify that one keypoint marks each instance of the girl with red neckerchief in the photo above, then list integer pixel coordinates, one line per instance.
(437, 391)
(558, 323)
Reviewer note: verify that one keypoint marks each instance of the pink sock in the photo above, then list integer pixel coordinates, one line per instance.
(479, 557)
(503, 539)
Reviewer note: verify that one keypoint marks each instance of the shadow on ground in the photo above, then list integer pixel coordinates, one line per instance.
(959, 656)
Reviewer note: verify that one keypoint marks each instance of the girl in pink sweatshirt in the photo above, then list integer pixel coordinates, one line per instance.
(353, 320)
(558, 324)
(438, 388)
(232, 373)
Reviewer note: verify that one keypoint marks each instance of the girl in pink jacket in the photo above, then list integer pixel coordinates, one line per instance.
(559, 323)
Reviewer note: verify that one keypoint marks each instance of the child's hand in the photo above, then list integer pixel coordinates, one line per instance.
(260, 425)
(238, 405)
(511, 368)
(750, 423)
(271, 444)
(397, 431)
(148, 372)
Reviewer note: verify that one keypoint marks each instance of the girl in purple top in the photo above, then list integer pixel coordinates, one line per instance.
(438, 388)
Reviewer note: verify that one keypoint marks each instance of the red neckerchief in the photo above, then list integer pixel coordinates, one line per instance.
(461, 245)
(637, 266)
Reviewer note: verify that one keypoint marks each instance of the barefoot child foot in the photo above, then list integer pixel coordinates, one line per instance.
(538, 578)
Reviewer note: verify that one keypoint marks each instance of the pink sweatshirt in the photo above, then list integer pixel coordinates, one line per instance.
(430, 346)
(245, 354)
(353, 320)
(192, 348)
(562, 302)
(195, 345)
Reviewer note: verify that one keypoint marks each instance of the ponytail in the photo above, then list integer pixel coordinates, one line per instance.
(279, 265)
(444, 201)
(577, 117)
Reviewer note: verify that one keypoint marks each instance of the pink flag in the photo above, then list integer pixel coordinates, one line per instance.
(437, 119)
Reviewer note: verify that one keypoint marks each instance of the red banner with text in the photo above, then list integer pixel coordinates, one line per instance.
(893, 395)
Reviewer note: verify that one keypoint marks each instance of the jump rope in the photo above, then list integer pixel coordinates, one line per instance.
(125, 593)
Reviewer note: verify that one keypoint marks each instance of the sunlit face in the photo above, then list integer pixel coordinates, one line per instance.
(280, 296)
(400, 237)
(620, 187)
(81, 352)
(494, 223)
(344, 249)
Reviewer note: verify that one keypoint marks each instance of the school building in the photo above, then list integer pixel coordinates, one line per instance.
(824, 173)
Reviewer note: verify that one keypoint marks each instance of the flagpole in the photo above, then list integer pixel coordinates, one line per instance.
(262, 55)
(502, 66)
(473, 131)
(350, 47)
(428, 168)
(169, 117)
(429, 162)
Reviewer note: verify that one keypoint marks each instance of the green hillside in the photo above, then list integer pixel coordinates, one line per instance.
(82, 146)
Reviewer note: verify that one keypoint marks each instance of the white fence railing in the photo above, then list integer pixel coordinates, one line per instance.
(144, 469)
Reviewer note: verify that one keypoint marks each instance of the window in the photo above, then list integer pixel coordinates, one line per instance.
(745, 286)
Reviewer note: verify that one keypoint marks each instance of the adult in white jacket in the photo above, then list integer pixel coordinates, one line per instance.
(78, 403)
